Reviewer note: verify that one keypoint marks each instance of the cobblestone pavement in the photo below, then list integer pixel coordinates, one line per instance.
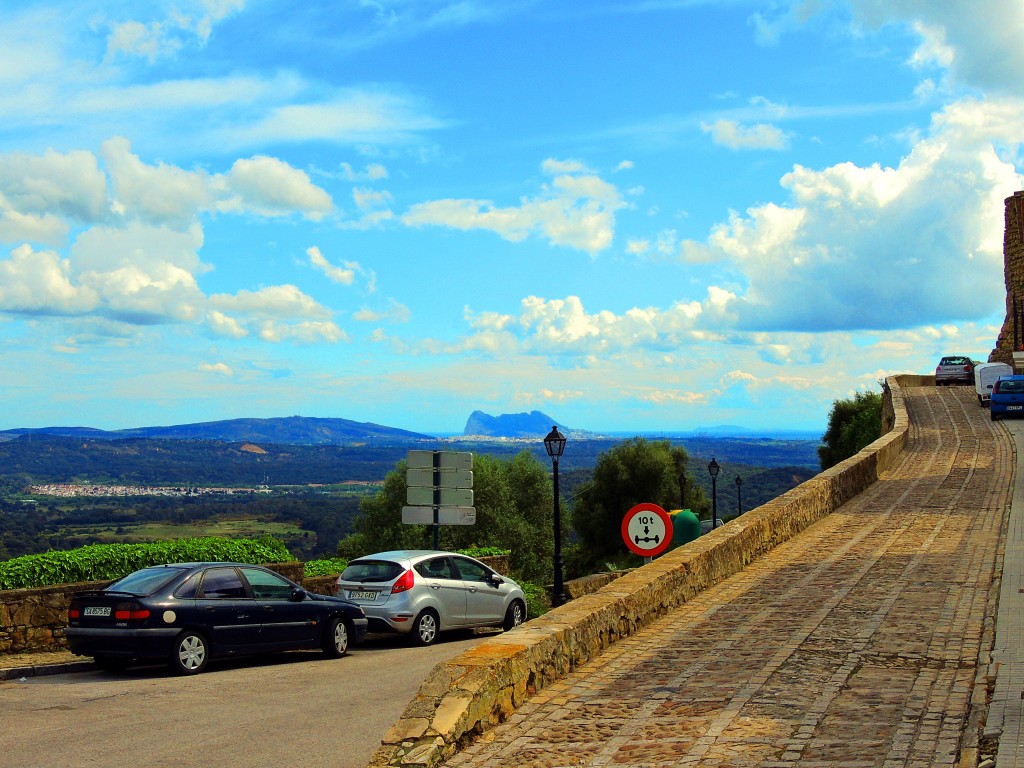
(855, 644)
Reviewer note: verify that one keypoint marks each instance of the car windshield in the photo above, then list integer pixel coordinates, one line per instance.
(363, 571)
(145, 582)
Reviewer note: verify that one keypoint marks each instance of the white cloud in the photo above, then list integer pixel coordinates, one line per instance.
(190, 24)
(274, 188)
(901, 235)
(729, 133)
(345, 275)
(395, 313)
(160, 194)
(576, 210)
(222, 369)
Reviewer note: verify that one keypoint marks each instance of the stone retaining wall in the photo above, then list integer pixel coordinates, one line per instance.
(465, 696)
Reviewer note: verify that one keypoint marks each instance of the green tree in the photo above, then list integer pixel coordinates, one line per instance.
(513, 501)
(635, 471)
(852, 425)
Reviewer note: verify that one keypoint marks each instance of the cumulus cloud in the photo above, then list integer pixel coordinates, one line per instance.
(901, 235)
(395, 313)
(730, 134)
(575, 210)
(134, 258)
(274, 188)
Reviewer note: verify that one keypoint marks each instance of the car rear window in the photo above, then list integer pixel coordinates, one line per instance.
(1011, 387)
(954, 361)
(145, 582)
(363, 571)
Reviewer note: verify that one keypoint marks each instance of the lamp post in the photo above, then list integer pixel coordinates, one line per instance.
(554, 444)
(713, 470)
(682, 490)
(739, 498)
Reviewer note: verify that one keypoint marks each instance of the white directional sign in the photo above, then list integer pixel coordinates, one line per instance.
(446, 460)
(439, 489)
(449, 497)
(446, 478)
(445, 515)
(647, 530)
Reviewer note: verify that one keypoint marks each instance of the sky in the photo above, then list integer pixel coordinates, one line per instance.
(631, 215)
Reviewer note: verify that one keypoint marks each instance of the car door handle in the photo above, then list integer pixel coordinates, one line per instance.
(435, 586)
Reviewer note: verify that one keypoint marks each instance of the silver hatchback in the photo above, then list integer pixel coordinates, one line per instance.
(423, 592)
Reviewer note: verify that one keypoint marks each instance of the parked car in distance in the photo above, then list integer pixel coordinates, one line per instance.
(1007, 397)
(187, 613)
(421, 593)
(985, 376)
(955, 369)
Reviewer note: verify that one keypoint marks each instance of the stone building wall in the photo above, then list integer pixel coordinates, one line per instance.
(1013, 276)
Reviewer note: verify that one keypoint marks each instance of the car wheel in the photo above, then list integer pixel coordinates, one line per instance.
(992, 415)
(190, 653)
(111, 663)
(425, 628)
(514, 616)
(335, 642)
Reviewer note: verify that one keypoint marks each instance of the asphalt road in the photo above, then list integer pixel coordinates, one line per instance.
(285, 710)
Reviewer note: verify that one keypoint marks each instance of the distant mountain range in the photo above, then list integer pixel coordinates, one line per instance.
(292, 430)
(303, 430)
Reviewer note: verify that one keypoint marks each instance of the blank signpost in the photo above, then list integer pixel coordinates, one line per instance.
(439, 489)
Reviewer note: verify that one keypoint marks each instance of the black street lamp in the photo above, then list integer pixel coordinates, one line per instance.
(739, 498)
(682, 490)
(554, 444)
(713, 470)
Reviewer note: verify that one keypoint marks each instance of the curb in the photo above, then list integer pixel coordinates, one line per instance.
(38, 670)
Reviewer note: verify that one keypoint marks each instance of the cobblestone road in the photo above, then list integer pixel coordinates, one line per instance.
(855, 644)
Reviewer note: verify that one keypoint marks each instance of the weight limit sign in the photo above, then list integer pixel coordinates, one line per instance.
(647, 530)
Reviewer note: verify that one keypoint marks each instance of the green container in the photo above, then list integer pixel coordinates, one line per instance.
(685, 526)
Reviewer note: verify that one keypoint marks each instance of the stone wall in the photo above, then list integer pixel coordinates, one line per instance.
(469, 694)
(1013, 277)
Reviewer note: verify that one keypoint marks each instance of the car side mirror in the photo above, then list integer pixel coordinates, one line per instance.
(496, 580)
(297, 595)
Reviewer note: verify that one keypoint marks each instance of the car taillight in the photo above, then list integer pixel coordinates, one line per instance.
(74, 613)
(404, 582)
(132, 612)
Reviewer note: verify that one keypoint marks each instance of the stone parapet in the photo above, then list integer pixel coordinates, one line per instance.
(465, 696)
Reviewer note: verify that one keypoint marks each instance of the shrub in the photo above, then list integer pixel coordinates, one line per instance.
(112, 561)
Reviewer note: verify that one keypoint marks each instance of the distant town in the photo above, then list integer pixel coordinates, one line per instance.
(69, 490)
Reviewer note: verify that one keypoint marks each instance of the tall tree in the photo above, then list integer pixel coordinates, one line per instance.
(852, 425)
(513, 500)
(635, 471)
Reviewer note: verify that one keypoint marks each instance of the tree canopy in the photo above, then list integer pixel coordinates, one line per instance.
(852, 424)
(514, 508)
(634, 471)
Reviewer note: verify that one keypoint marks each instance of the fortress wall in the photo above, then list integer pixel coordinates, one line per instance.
(1013, 277)
(467, 695)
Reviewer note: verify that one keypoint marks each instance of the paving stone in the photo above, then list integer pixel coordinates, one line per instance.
(855, 644)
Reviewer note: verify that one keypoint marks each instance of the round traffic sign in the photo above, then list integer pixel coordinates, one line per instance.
(647, 530)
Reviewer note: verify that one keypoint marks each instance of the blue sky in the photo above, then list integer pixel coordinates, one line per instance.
(629, 214)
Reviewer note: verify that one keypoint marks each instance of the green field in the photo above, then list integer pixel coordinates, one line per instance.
(232, 528)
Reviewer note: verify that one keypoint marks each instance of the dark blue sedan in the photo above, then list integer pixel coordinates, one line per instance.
(1007, 397)
(186, 613)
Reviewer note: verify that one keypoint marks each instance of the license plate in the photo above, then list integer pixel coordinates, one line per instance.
(1014, 407)
(94, 610)
(357, 595)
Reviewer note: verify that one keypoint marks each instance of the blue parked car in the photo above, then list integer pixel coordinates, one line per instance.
(1007, 397)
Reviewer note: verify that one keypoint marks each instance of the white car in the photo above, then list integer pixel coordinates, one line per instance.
(424, 592)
